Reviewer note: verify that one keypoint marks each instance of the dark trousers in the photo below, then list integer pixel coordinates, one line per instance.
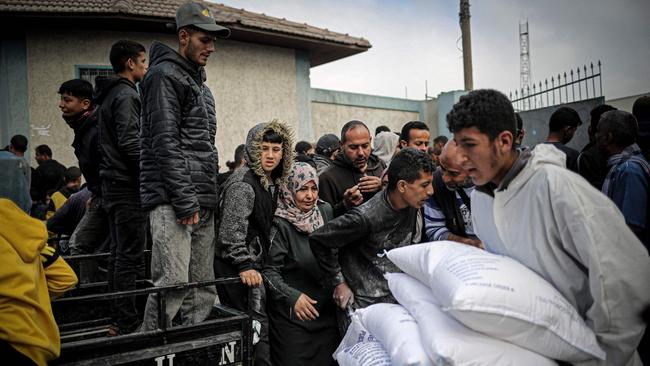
(235, 296)
(127, 228)
(10, 356)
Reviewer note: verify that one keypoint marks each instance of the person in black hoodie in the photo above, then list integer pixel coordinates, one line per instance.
(354, 177)
(50, 172)
(592, 163)
(119, 127)
(79, 112)
(178, 166)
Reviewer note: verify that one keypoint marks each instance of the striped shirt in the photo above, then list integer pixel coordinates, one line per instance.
(434, 219)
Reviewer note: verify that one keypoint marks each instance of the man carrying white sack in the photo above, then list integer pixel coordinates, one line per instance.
(364, 233)
(527, 206)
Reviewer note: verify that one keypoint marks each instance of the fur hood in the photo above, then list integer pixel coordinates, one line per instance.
(254, 150)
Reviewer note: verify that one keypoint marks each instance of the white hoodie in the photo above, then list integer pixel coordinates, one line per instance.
(555, 223)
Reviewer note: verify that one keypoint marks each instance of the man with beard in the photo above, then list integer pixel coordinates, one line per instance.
(178, 160)
(447, 214)
(354, 177)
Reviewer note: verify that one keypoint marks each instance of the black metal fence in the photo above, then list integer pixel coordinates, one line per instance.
(565, 88)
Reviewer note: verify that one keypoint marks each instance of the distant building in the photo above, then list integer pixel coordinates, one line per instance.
(261, 72)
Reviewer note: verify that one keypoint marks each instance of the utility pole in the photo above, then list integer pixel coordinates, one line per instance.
(467, 43)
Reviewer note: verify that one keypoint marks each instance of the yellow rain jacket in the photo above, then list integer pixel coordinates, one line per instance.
(28, 280)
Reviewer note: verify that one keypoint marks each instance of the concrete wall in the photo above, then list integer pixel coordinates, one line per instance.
(536, 123)
(331, 109)
(625, 103)
(329, 118)
(251, 83)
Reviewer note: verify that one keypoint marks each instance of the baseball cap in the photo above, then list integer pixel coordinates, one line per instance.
(199, 16)
(328, 143)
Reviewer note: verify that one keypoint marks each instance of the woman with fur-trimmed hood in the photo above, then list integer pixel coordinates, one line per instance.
(247, 205)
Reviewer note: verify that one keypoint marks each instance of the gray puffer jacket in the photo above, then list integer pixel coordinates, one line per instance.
(178, 162)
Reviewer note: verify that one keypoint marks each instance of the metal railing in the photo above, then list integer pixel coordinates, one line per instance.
(561, 90)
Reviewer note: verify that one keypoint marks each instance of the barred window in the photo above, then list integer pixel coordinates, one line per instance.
(89, 73)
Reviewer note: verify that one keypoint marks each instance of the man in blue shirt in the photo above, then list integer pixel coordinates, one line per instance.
(629, 173)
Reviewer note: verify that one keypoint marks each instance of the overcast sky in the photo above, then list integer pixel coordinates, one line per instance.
(413, 41)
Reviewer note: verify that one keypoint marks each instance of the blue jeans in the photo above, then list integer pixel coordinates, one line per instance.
(181, 254)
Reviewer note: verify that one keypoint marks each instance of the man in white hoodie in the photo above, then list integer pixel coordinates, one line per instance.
(527, 206)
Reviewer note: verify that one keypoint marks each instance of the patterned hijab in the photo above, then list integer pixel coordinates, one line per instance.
(305, 222)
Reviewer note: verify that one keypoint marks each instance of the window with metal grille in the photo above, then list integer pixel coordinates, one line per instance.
(90, 72)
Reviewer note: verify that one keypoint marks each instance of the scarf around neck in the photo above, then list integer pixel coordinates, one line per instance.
(304, 222)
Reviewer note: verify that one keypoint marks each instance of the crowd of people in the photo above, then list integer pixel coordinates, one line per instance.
(303, 225)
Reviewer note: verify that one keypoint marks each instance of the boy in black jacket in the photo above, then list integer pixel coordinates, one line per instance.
(119, 126)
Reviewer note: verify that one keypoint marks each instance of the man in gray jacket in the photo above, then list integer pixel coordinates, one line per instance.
(178, 178)
(363, 234)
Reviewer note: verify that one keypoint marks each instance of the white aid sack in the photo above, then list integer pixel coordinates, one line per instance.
(500, 297)
(397, 331)
(360, 348)
(449, 342)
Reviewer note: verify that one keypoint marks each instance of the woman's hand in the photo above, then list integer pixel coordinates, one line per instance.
(251, 278)
(304, 308)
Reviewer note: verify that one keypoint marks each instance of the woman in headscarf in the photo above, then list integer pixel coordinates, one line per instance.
(386, 145)
(303, 328)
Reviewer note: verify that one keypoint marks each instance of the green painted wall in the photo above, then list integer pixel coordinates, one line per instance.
(446, 101)
(14, 111)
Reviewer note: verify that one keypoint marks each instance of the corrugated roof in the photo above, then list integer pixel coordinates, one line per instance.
(225, 15)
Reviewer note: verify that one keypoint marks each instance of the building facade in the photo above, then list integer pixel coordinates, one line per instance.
(260, 73)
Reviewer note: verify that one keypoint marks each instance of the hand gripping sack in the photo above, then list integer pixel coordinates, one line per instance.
(360, 348)
(449, 342)
(397, 331)
(498, 296)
